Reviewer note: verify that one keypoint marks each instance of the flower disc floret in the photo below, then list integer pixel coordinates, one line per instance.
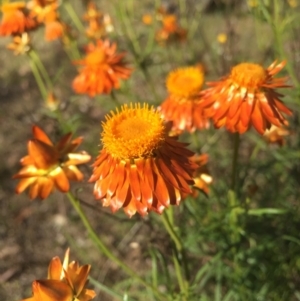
(185, 82)
(248, 75)
(135, 132)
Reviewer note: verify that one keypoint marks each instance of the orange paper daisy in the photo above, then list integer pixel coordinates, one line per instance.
(247, 97)
(20, 44)
(66, 281)
(276, 135)
(49, 166)
(15, 19)
(182, 105)
(99, 24)
(202, 177)
(46, 12)
(102, 69)
(140, 168)
(170, 30)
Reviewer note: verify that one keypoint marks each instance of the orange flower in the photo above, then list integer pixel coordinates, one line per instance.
(202, 178)
(140, 168)
(170, 30)
(247, 97)
(102, 69)
(276, 135)
(45, 11)
(20, 44)
(41, 9)
(98, 23)
(147, 19)
(182, 105)
(65, 282)
(49, 166)
(15, 19)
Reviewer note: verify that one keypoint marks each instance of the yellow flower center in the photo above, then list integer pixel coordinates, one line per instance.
(135, 132)
(96, 57)
(247, 75)
(185, 82)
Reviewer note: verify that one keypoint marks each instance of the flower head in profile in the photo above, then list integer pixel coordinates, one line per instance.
(140, 168)
(66, 281)
(276, 135)
(15, 19)
(182, 105)
(20, 44)
(102, 69)
(247, 97)
(48, 166)
(202, 177)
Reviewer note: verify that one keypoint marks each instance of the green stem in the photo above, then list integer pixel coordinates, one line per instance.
(167, 221)
(150, 83)
(37, 61)
(39, 80)
(236, 143)
(69, 8)
(278, 29)
(114, 98)
(182, 9)
(103, 249)
(128, 30)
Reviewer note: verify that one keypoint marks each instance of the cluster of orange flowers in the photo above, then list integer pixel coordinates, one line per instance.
(21, 17)
(65, 281)
(170, 29)
(244, 98)
(99, 24)
(142, 166)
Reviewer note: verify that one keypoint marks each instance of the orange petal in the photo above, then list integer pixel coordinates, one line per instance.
(46, 187)
(55, 268)
(257, 119)
(40, 135)
(63, 143)
(161, 191)
(77, 158)
(118, 175)
(60, 179)
(73, 173)
(43, 154)
(50, 290)
(134, 182)
(24, 183)
(79, 278)
(34, 189)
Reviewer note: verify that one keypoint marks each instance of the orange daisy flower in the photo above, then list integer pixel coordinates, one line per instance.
(98, 23)
(140, 168)
(182, 105)
(20, 44)
(170, 30)
(49, 166)
(45, 11)
(15, 19)
(202, 177)
(276, 135)
(102, 69)
(247, 97)
(66, 281)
